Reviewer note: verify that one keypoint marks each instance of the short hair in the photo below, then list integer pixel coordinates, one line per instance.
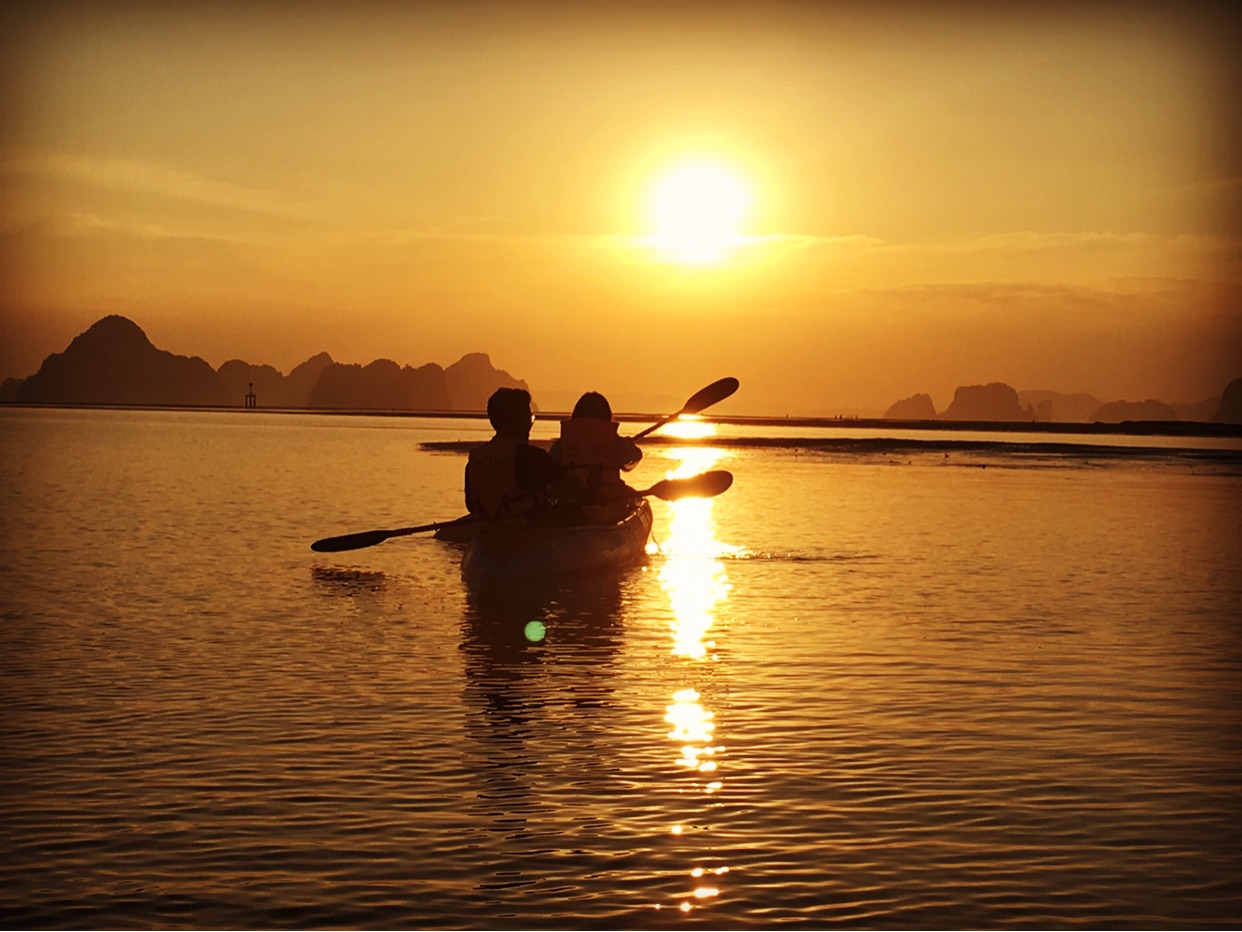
(509, 407)
(593, 404)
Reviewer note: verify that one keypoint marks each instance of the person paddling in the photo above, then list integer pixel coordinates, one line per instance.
(591, 449)
(508, 475)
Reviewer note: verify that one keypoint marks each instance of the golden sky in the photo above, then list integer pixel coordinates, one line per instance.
(928, 195)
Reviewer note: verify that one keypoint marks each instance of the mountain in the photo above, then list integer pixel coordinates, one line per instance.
(272, 389)
(999, 402)
(995, 401)
(381, 385)
(1230, 410)
(914, 408)
(302, 378)
(113, 362)
(1114, 412)
(240, 378)
(472, 379)
(1058, 406)
(1200, 411)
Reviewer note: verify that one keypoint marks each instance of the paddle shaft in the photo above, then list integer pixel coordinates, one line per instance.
(704, 485)
(371, 538)
(703, 398)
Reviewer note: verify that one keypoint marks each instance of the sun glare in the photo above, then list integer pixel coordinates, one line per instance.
(697, 210)
(689, 427)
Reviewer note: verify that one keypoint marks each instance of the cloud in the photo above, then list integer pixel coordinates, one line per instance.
(136, 175)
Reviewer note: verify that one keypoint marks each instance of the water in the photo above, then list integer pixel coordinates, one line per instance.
(867, 687)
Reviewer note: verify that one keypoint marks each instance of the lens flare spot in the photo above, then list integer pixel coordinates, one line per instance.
(535, 631)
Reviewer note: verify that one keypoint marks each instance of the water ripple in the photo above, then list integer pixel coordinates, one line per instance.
(936, 698)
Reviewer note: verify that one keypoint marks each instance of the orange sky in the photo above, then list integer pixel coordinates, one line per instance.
(1041, 194)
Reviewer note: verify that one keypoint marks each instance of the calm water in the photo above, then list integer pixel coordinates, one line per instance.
(879, 687)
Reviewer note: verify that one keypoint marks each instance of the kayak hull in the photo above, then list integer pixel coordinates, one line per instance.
(509, 554)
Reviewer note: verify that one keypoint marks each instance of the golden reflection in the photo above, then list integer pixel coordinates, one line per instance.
(693, 727)
(689, 427)
(693, 574)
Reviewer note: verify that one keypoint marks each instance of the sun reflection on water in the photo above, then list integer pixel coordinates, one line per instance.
(689, 427)
(693, 574)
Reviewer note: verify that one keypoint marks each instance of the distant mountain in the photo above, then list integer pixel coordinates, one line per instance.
(113, 362)
(995, 401)
(999, 402)
(1200, 411)
(914, 408)
(1114, 412)
(1058, 406)
(302, 378)
(1230, 410)
(272, 389)
(381, 385)
(472, 379)
(240, 378)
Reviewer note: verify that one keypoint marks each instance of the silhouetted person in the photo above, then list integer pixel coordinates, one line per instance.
(509, 476)
(591, 449)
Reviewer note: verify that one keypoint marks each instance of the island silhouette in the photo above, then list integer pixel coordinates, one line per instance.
(114, 363)
(998, 402)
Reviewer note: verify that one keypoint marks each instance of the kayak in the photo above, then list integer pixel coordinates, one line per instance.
(508, 553)
(460, 531)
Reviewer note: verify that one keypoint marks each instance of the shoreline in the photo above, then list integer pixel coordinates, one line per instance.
(1123, 428)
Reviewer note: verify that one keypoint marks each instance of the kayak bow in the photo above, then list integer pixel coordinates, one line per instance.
(508, 553)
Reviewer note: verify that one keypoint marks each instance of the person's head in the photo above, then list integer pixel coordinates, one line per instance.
(593, 404)
(509, 411)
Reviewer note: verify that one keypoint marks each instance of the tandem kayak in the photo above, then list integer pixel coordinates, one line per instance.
(508, 553)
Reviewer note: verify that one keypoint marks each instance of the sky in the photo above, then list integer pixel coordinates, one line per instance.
(861, 201)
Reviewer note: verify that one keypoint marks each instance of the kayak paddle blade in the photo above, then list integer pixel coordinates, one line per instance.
(706, 397)
(350, 541)
(704, 485)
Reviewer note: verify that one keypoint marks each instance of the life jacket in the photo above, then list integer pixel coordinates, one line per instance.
(491, 477)
(588, 446)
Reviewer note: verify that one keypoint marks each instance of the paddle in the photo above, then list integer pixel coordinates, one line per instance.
(371, 538)
(704, 485)
(703, 398)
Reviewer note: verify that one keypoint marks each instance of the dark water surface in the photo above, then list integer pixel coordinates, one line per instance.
(871, 685)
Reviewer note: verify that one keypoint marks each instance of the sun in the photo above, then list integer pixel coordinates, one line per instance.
(697, 212)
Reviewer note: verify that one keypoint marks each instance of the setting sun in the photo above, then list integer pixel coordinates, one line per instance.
(697, 210)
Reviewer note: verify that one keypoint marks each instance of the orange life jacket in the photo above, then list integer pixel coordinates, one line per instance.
(491, 478)
(588, 446)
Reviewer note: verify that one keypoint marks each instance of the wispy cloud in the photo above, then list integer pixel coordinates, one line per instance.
(137, 175)
(86, 224)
